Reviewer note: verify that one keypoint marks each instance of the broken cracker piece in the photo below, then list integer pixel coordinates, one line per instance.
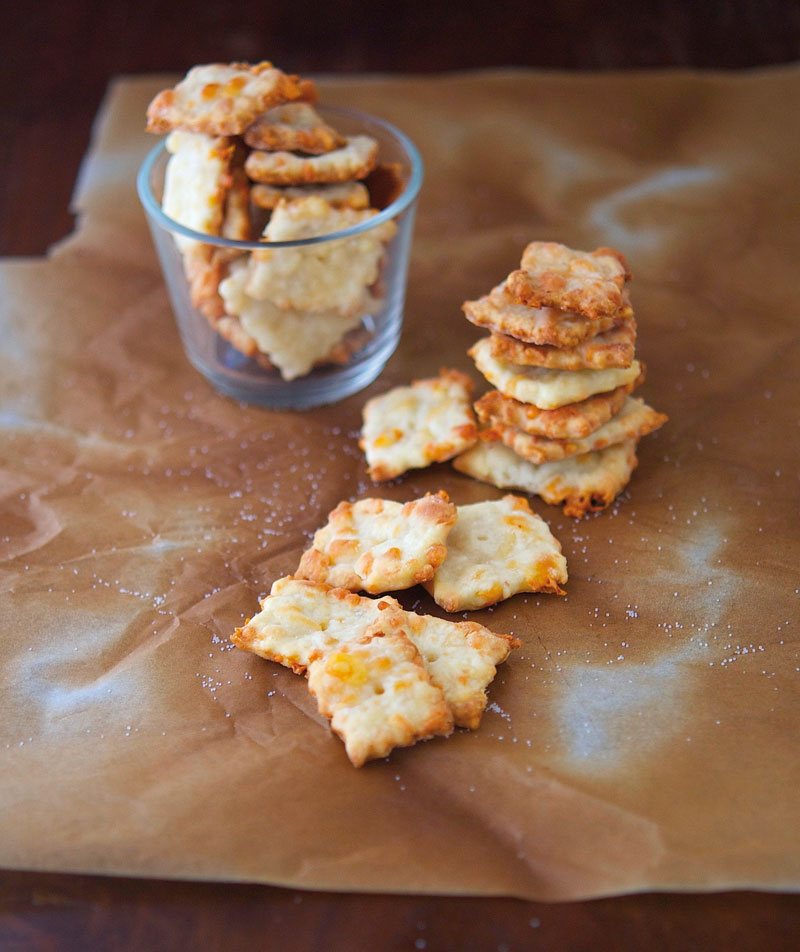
(582, 483)
(410, 427)
(553, 275)
(218, 99)
(378, 545)
(545, 388)
(498, 548)
(378, 695)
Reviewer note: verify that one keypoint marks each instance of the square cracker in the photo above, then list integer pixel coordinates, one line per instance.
(553, 275)
(411, 427)
(571, 422)
(325, 276)
(633, 421)
(293, 127)
(354, 160)
(497, 549)
(543, 387)
(378, 545)
(582, 483)
(293, 340)
(613, 348)
(218, 99)
(301, 621)
(378, 695)
(500, 313)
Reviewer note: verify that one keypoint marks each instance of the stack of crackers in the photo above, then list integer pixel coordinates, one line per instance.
(561, 422)
(250, 157)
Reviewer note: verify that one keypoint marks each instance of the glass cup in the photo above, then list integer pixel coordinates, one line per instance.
(234, 362)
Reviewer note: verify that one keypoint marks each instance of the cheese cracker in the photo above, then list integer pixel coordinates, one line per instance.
(612, 348)
(293, 127)
(326, 276)
(412, 426)
(633, 421)
(461, 657)
(196, 181)
(582, 483)
(545, 388)
(218, 99)
(553, 275)
(378, 545)
(354, 160)
(294, 341)
(571, 422)
(378, 695)
(500, 313)
(497, 549)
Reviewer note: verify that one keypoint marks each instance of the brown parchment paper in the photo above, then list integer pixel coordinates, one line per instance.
(644, 737)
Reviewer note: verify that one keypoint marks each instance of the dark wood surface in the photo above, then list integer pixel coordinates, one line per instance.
(57, 60)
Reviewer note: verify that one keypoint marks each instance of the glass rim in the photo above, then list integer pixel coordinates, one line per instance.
(403, 201)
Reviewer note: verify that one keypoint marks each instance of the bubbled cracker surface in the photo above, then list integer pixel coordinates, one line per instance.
(379, 545)
(410, 427)
(301, 621)
(498, 548)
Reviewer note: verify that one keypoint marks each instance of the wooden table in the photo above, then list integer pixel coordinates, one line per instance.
(58, 58)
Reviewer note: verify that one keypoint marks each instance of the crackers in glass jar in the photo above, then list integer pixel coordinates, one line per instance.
(251, 158)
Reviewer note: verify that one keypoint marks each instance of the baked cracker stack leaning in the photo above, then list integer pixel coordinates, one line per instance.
(561, 422)
(250, 158)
